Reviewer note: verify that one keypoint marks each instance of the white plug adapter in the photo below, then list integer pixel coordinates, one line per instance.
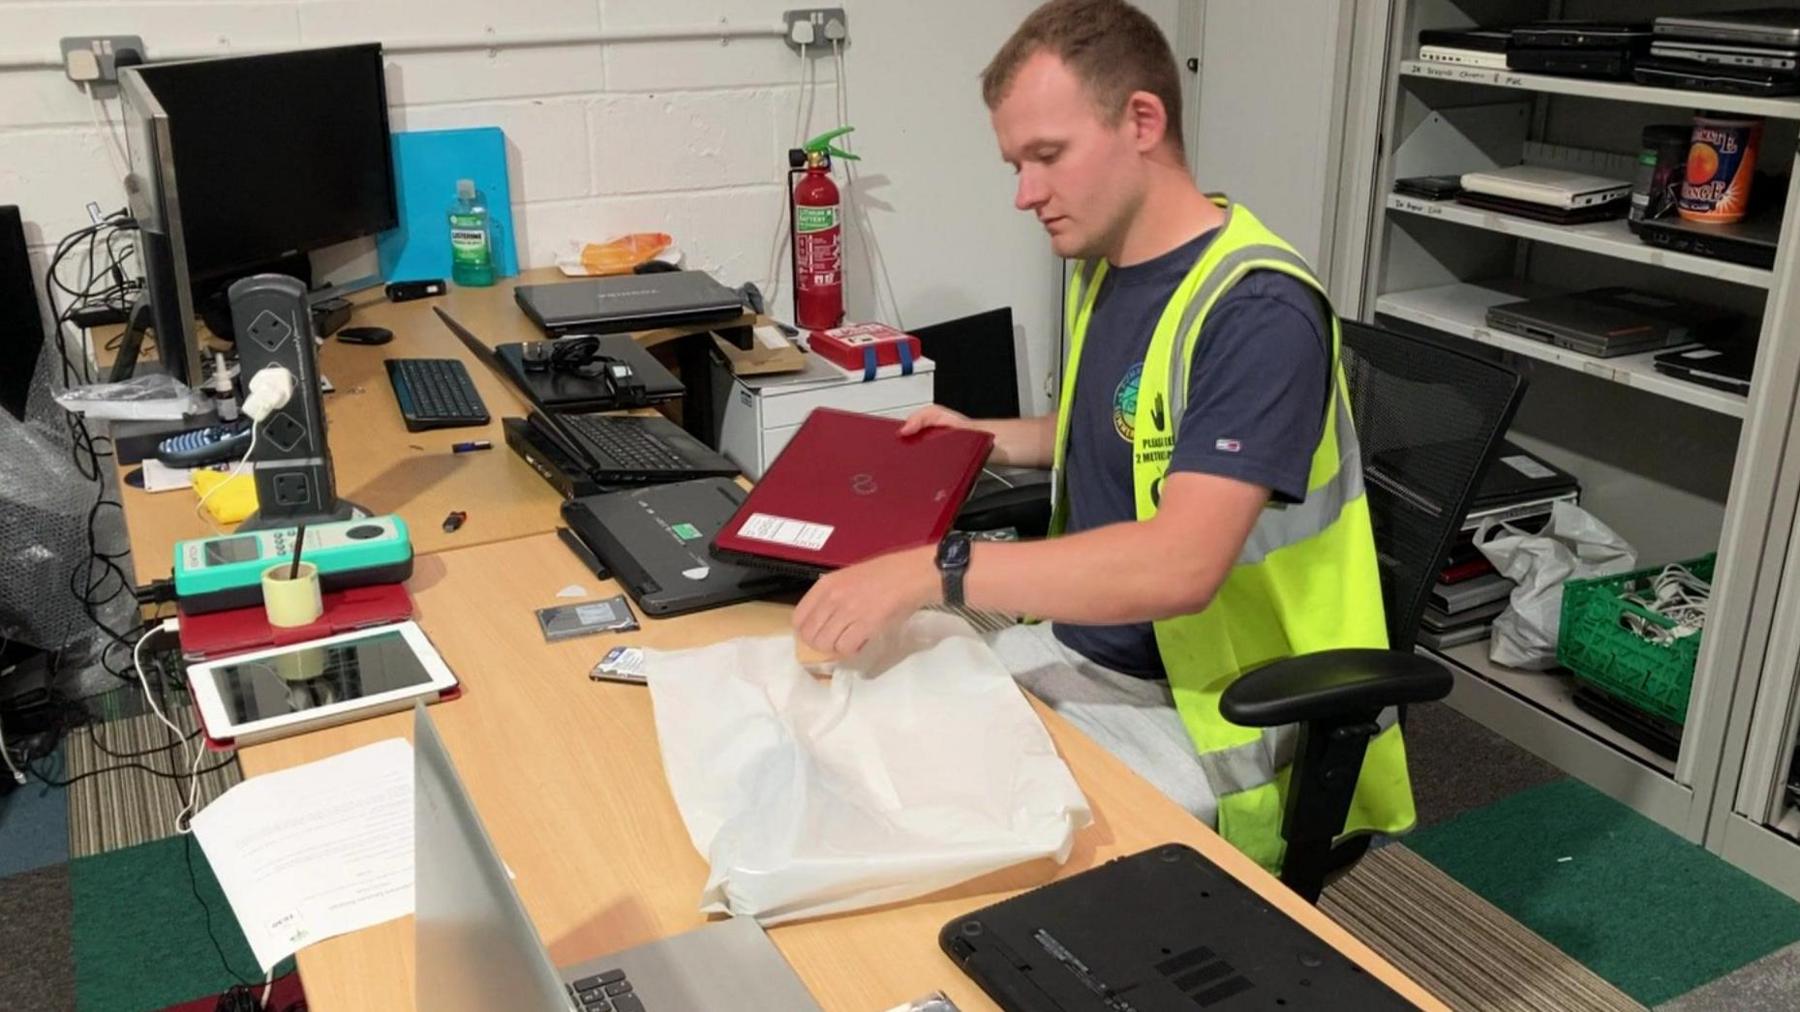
(270, 390)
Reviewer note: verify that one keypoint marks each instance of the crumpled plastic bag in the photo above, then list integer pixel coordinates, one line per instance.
(918, 765)
(623, 254)
(228, 498)
(156, 396)
(1574, 545)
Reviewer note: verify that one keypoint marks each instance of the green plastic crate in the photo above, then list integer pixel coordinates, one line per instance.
(1595, 645)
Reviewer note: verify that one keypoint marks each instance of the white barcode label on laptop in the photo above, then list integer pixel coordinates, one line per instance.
(784, 531)
(1527, 467)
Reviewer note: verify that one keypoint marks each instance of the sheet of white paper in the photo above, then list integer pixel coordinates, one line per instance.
(315, 851)
(160, 477)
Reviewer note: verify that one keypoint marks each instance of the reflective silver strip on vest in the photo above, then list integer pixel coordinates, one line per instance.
(1222, 274)
(1282, 525)
(1278, 526)
(1255, 763)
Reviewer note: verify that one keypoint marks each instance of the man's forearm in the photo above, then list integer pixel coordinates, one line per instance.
(1022, 442)
(1106, 576)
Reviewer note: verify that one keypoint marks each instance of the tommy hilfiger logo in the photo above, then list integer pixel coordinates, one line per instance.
(1228, 446)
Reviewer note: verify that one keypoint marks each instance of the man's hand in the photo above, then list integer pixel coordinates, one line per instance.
(934, 416)
(846, 609)
(1018, 442)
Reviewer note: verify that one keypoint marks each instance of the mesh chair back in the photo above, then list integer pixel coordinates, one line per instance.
(1429, 418)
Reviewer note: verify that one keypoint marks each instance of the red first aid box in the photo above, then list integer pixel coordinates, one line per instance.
(866, 347)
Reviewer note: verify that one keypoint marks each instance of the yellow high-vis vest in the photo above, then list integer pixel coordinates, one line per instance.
(1305, 581)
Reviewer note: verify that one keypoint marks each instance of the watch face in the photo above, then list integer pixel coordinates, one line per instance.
(954, 552)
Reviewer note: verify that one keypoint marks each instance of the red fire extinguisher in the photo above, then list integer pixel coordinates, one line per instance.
(818, 233)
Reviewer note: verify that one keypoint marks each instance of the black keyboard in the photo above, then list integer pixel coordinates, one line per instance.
(605, 992)
(623, 443)
(435, 393)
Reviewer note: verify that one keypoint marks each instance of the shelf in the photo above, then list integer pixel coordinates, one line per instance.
(1461, 310)
(1606, 238)
(1554, 694)
(1616, 91)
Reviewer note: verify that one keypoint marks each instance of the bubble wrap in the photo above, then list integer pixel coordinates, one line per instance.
(44, 502)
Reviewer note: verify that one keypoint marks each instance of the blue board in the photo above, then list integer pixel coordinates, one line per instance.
(427, 164)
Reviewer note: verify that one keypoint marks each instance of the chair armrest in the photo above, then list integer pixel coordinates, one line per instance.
(1332, 683)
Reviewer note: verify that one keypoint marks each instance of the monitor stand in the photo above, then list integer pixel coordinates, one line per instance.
(131, 342)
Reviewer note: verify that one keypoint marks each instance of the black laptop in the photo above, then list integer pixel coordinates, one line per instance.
(656, 541)
(614, 449)
(1721, 367)
(629, 302)
(1161, 931)
(1750, 242)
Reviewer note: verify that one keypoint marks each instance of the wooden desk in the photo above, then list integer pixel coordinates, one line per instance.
(379, 464)
(568, 779)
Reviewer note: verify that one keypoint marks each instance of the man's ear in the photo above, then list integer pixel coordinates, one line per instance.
(1148, 119)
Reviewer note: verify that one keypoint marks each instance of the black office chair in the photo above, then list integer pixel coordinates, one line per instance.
(1429, 418)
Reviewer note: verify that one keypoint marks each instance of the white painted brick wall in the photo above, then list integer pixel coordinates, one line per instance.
(686, 137)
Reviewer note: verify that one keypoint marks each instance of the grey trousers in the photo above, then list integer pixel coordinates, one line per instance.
(1133, 718)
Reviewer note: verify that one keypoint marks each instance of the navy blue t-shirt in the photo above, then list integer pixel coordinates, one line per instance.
(1256, 407)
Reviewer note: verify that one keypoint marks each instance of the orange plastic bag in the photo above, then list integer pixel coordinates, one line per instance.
(621, 255)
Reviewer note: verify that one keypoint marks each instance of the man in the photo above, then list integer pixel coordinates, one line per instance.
(1209, 515)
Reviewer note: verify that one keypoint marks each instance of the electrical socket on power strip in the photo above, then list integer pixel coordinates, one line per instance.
(816, 28)
(96, 59)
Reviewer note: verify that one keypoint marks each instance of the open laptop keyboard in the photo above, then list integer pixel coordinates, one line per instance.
(623, 443)
(605, 992)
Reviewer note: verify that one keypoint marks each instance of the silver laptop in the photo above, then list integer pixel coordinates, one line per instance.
(1768, 26)
(628, 302)
(1724, 54)
(477, 950)
(1606, 322)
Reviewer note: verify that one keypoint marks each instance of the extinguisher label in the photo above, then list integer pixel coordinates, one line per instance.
(815, 219)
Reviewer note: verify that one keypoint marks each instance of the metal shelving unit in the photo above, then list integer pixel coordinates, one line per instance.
(1614, 91)
(1439, 266)
(1605, 238)
(1461, 309)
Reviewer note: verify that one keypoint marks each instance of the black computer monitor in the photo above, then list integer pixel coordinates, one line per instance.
(977, 369)
(242, 162)
(21, 325)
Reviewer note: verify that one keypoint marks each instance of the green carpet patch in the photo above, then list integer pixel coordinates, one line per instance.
(1645, 909)
(140, 936)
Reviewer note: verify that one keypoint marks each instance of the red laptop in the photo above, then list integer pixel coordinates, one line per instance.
(848, 488)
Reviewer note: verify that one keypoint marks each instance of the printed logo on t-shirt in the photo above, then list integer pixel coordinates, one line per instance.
(1125, 402)
(1228, 446)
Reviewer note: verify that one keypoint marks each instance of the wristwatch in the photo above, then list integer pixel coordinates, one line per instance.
(952, 563)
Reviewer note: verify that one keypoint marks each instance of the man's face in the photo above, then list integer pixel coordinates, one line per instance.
(1081, 176)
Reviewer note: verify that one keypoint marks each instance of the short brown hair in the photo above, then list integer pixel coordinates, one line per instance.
(1111, 46)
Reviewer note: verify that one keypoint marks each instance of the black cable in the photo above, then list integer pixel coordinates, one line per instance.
(30, 767)
(94, 739)
(187, 853)
(99, 580)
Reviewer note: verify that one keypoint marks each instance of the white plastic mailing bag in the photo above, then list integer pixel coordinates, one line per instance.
(916, 766)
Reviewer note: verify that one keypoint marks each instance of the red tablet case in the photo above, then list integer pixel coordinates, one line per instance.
(241, 630)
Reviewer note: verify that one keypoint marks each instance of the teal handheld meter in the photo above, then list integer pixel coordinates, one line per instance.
(215, 574)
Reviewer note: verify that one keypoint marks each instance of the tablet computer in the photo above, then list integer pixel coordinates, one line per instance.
(273, 693)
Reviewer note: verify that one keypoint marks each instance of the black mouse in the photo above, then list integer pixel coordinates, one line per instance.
(365, 335)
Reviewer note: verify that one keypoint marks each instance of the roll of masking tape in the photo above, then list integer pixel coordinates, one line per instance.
(292, 602)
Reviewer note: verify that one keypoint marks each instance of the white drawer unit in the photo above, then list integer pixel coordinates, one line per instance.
(764, 412)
